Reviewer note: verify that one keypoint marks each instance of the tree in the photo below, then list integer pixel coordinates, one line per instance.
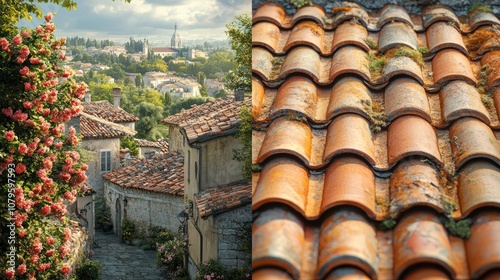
(130, 144)
(139, 81)
(220, 93)
(149, 117)
(239, 32)
(244, 134)
(39, 165)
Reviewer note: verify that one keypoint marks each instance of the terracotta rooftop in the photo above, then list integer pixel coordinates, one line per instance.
(222, 199)
(355, 132)
(209, 120)
(163, 173)
(87, 189)
(104, 109)
(160, 144)
(95, 127)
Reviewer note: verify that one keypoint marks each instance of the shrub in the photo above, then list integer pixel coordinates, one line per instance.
(103, 214)
(211, 269)
(156, 235)
(128, 231)
(88, 270)
(171, 253)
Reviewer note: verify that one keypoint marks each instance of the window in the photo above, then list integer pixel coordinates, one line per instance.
(105, 160)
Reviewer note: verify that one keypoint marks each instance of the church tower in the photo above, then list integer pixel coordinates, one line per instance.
(176, 39)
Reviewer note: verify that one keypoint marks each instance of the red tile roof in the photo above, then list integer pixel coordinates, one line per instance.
(344, 149)
(163, 173)
(104, 109)
(87, 189)
(222, 199)
(209, 120)
(94, 127)
(160, 144)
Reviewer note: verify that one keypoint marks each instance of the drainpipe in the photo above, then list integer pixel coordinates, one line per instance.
(197, 147)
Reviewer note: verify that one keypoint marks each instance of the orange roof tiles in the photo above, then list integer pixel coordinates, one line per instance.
(221, 199)
(209, 120)
(343, 150)
(104, 109)
(163, 173)
(94, 127)
(160, 144)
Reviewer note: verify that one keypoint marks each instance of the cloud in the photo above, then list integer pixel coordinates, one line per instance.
(152, 19)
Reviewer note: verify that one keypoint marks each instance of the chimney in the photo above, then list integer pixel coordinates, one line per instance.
(88, 96)
(116, 97)
(238, 95)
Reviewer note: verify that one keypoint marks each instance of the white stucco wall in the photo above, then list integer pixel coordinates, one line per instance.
(94, 173)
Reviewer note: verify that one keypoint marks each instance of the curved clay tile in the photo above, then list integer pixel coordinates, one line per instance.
(348, 95)
(257, 96)
(414, 183)
(349, 181)
(262, 64)
(349, 134)
(459, 99)
(347, 238)
(478, 186)
(438, 12)
(350, 34)
(289, 137)
(496, 100)
(353, 11)
(303, 60)
(470, 138)
(277, 240)
(350, 59)
(269, 273)
(271, 12)
(441, 35)
(266, 34)
(297, 93)
(402, 66)
(405, 96)
(308, 33)
(347, 273)
(312, 12)
(426, 272)
(492, 59)
(483, 245)
(276, 185)
(390, 13)
(450, 64)
(477, 19)
(419, 238)
(410, 136)
(396, 34)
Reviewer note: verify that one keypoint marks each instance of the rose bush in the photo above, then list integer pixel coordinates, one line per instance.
(37, 97)
(171, 253)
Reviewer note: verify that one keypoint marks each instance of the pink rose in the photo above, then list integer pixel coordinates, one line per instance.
(23, 149)
(27, 104)
(17, 40)
(9, 135)
(48, 17)
(9, 273)
(45, 210)
(7, 111)
(49, 253)
(34, 60)
(26, 33)
(50, 240)
(24, 70)
(64, 176)
(24, 52)
(65, 269)
(22, 233)
(21, 269)
(20, 168)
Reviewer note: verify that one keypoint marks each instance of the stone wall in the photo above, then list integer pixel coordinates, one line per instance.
(79, 245)
(231, 254)
(144, 208)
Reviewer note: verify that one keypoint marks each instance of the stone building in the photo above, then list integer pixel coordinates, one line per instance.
(217, 199)
(148, 148)
(148, 192)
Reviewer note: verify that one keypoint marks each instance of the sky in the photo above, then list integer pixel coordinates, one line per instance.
(151, 19)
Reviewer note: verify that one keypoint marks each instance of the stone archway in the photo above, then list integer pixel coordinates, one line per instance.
(118, 217)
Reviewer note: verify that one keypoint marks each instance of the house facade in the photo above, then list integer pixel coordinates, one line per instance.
(148, 192)
(206, 135)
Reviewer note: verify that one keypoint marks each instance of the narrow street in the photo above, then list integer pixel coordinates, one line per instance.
(120, 261)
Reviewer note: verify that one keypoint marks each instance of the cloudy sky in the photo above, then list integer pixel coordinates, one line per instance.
(152, 19)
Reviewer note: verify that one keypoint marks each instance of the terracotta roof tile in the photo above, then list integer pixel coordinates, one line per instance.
(104, 109)
(163, 173)
(212, 119)
(342, 151)
(95, 127)
(160, 144)
(221, 199)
